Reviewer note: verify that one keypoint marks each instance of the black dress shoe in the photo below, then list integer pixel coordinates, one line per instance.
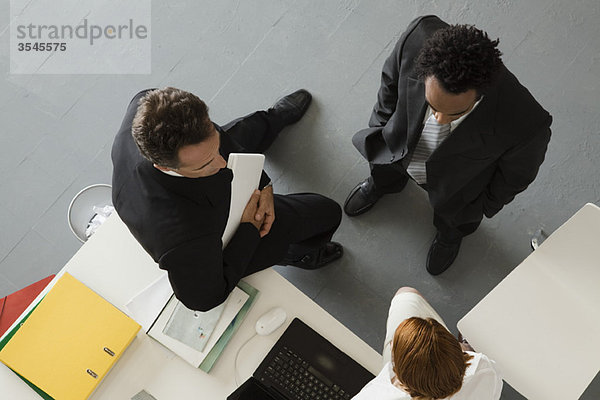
(291, 108)
(441, 255)
(327, 253)
(361, 198)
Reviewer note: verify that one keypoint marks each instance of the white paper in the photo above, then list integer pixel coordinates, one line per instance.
(192, 328)
(233, 305)
(145, 306)
(247, 169)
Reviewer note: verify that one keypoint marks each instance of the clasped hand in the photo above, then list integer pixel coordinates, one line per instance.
(260, 210)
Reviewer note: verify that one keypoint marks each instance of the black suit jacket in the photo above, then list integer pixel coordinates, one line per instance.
(179, 221)
(491, 156)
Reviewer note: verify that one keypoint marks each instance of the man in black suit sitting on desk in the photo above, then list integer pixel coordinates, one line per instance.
(172, 189)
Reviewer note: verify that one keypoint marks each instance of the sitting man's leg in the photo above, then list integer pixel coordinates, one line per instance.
(304, 223)
(407, 303)
(257, 131)
(301, 234)
(319, 217)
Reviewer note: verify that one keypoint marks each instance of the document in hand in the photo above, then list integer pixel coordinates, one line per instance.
(69, 342)
(247, 169)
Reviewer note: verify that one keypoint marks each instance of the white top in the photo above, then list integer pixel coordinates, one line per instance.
(482, 381)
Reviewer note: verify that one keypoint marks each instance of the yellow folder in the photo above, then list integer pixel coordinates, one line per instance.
(70, 341)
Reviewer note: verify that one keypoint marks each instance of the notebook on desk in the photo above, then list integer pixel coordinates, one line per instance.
(304, 365)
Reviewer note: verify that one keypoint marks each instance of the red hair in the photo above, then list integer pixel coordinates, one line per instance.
(428, 360)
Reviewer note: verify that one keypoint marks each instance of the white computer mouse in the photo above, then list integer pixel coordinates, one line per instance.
(270, 321)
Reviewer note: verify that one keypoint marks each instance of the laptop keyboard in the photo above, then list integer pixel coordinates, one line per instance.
(298, 380)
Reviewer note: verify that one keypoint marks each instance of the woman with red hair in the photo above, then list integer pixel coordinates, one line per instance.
(424, 361)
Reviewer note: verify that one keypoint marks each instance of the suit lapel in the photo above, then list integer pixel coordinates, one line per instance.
(473, 133)
(415, 110)
(215, 188)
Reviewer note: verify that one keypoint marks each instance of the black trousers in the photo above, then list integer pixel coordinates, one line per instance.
(392, 178)
(255, 132)
(305, 221)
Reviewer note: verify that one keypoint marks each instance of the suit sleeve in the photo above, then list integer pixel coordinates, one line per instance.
(517, 168)
(202, 275)
(387, 97)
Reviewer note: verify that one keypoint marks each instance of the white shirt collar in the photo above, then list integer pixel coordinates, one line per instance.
(454, 124)
(172, 173)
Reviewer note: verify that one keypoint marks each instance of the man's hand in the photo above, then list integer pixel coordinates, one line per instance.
(251, 211)
(266, 210)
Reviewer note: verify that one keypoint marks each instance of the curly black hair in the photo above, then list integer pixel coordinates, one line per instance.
(460, 57)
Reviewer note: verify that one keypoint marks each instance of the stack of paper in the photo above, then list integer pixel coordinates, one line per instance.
(232, 306)
(69, 342)
(212, 357)
(196, 337)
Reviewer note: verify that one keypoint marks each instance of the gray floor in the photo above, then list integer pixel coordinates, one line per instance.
(240, 56)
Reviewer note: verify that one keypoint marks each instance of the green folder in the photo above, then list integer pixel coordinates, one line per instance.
(215, 352)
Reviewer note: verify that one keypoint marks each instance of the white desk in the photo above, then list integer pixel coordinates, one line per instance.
(541, 324)
(114, 265)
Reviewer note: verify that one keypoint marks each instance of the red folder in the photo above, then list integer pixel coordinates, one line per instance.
(13, 305)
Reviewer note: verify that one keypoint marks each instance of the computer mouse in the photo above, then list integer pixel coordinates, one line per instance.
(270, 321)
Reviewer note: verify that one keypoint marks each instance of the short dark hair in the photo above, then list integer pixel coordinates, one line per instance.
(166, 120)
(460, 57)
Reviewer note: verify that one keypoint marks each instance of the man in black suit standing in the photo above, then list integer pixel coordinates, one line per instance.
(450, 116)
(172, 189)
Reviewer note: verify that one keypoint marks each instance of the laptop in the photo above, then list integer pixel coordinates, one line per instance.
(304, 365)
